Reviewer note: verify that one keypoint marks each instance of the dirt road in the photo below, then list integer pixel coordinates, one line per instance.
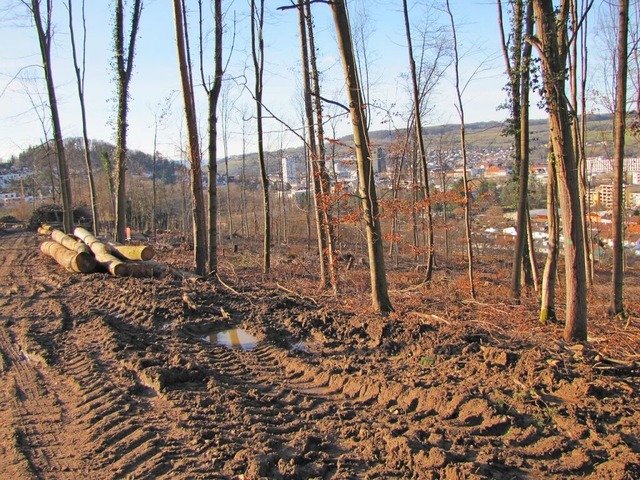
(109, 378)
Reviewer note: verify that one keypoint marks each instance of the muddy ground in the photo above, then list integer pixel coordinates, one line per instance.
(108, 378)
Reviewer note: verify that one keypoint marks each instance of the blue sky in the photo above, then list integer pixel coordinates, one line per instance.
(156, 75)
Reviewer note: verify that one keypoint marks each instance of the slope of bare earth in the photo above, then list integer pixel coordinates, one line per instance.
(110, 378)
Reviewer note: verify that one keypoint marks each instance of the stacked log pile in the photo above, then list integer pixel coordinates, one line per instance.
(84, 253)
(80, 262)
(102, 253)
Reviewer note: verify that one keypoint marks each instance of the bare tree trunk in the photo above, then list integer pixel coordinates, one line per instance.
(552, 42)
(213, 95)
(312, 148)
(325, 180)
(80, 84)
(45, 36)
(530, 254)
(517, 61)
(257, 50)
(224, 117)
(584, 181)
(195, 159)
(463, 146)
(619, 126)
(421, 148)
(367, 190)
(124, 68)
(578, 134)
(154, 185)
(547, 304)
(244, 214)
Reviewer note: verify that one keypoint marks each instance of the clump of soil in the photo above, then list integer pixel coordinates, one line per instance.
(113, 378)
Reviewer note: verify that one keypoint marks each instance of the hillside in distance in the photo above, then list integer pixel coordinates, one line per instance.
(480, 136)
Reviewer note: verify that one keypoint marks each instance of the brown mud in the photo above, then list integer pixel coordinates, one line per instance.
(109, 378)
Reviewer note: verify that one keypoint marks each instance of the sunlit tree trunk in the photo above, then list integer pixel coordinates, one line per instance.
(213, 95)
(257, 51)
(548, 304)
(195, 159)
(325, 180)
(312, 149)
(124, 69)
(80, 71)
(45, 36)
(552, 41)
(619, 128)
(578, 126)
(421, 147)
(463, 147)
(367, 190)
(517, 60)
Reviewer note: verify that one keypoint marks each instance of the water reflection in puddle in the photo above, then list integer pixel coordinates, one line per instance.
(234, 338)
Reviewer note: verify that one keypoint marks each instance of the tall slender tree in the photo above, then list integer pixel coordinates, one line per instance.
(367, 190)
(517, 59)
(79, 68)
(257, 54)
(44, 27)
(422, 151)
(463, 148)
(193, 140)
(315, 147)
(325, 180)
(552, 41)
(578, 130)
(213, 90)
(549, 276)
(619, 128)
(124, 70)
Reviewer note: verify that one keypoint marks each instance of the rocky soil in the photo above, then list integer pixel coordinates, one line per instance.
(110, 378)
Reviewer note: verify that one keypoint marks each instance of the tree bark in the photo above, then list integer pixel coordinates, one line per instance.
(213, 97)
(83, 111)
(463, 147)
(69, 242)
(552, 43)
(195, 158)
(257, 50)
(367, 190)
(71, 260)
(45, 36)
(325, 181)
(548, 304)
(113, 265)
(312, 150)
(132, 252)
(124, 69)
(619, 127)
(421, 147)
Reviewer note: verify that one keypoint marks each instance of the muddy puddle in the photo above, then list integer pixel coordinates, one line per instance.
(235, 338)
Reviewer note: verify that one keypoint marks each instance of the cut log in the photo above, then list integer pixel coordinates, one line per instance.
(160, 269)
(132, 252)
(114, 265)
(44, 229)
(140, 269)
(69, 242)
(80, 262)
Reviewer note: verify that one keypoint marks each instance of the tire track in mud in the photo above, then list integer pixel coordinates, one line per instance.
(266, 403)
(272, 397)
(39, 417)
(125, 438)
